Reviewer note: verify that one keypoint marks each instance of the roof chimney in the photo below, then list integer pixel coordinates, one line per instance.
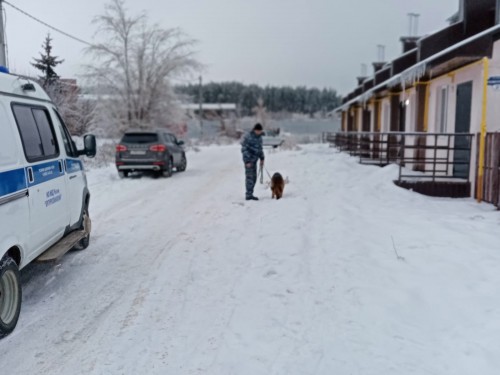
(364, 74)
(413, 24)
(410, 41)
(379, 64)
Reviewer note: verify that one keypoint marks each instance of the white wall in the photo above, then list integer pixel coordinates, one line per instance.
(493, 120)
(386, 115)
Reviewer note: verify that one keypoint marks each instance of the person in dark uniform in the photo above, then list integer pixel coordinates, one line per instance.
(251, 149)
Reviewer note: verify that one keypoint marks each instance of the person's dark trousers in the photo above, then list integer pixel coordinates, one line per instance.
(250, 178)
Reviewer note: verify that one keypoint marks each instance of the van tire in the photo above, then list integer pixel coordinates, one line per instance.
(123, 174)
(10, 295)
(85, 241)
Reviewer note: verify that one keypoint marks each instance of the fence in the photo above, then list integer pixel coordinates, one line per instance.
(491, 186)
(443, 157)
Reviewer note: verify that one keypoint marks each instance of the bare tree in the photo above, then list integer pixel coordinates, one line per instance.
(77, 112)
(133, 65)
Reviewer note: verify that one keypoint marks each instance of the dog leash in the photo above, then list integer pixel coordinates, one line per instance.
(261, 173)
(268, 173)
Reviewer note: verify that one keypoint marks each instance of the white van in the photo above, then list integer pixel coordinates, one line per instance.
(44, 198)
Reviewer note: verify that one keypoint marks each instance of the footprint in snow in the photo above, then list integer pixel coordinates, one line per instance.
(477, 217)
(270, 273)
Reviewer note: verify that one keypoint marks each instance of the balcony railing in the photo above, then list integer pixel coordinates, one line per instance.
(420, 156)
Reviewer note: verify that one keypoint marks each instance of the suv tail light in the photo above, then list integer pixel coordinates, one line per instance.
(121, 148)
(158, 148)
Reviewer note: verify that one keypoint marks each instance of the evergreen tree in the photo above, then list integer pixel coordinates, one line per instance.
(47, 64)
(276, 99)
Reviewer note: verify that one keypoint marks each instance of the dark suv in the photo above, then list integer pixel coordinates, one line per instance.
(156, 151)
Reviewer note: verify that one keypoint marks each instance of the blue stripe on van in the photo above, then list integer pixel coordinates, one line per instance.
(45, 172)
(73, 165)
(12, 181)
(17, 180)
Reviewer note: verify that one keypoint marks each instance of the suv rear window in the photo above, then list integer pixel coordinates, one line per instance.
(140, 138)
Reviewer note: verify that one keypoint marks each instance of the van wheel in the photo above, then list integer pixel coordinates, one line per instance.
(83, 243)
(123, 174)
(167, 172)
(86, 225)
(183, 166)
(10, 295)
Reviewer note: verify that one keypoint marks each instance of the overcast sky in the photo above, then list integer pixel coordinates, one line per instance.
(281, 42)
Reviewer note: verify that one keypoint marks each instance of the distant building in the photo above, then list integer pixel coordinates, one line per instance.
(212, 110)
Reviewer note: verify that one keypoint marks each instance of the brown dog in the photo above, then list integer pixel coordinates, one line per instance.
(277, 186)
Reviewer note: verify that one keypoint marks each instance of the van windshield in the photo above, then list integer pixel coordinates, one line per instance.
(140, 138)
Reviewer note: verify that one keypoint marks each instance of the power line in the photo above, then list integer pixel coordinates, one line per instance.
(46, 24)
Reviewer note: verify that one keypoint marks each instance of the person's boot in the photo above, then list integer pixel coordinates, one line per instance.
(252, 198)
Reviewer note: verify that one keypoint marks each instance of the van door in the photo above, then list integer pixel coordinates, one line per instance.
(75, 175)
(14, 206)
(49, 214)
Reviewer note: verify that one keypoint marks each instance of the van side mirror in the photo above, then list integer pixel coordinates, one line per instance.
(180, 143)
(89, 146)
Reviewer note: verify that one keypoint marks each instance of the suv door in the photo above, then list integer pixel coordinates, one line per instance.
(174, 148)
(49, 214)
(75, 174)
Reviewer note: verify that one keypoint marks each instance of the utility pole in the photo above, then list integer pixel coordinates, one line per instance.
(200, 102)
(3, 45)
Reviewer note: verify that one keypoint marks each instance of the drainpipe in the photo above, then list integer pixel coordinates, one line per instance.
(379, 117)
(482, 141)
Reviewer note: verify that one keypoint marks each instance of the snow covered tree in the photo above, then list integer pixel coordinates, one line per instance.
(276, 99)
(47, 64)
(134, 63)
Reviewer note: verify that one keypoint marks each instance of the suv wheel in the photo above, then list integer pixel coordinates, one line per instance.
(123, 174)
(167, 172)
(10, 295)
(183, 165)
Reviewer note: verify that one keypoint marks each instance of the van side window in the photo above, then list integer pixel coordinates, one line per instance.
(46, 133)
(69, 145)
(36, 131)
(29, 132)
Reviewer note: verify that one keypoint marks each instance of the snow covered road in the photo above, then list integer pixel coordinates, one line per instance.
(184, 277)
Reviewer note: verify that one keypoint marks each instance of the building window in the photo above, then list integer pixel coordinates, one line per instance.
(442, 109)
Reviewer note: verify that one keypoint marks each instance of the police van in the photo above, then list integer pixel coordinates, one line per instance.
(44, 199)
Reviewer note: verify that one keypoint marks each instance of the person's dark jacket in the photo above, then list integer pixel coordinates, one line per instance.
(251, 148)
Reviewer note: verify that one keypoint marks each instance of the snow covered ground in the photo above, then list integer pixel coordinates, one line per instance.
(184, 277)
